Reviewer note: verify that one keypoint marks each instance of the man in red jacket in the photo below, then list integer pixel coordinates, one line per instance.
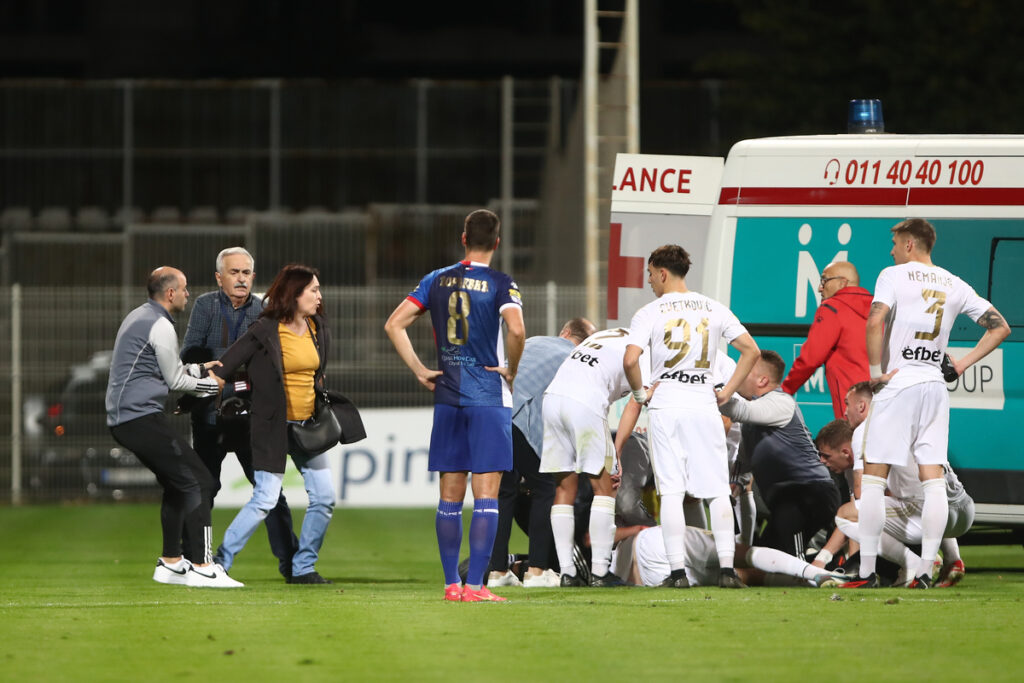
(836, 338)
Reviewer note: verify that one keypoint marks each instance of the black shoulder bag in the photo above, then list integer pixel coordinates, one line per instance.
(322, 431)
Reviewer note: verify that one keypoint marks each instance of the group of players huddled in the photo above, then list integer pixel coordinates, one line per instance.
(712, 425)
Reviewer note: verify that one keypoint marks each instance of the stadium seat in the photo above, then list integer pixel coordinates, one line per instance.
(165, 214)
(124, 216)
(16, 219)
(54, 219)
(92, 219)
(237, 215)
(203, 215)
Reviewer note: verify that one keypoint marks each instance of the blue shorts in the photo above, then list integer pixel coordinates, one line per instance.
(471, 439)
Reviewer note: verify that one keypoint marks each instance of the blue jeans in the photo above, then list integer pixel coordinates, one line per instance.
(317, 477)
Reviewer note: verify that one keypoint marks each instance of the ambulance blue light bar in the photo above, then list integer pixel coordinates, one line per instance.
(865, 117)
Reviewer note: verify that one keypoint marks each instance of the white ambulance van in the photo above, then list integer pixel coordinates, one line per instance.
(761, 228)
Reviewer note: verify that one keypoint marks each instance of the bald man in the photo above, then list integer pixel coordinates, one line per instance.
(144, 368)
(837, 336)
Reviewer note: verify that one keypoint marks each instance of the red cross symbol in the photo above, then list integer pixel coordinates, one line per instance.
(623, 271)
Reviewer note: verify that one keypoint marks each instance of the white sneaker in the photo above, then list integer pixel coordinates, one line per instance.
(211, 576)
(549, 578)
(497, 579)
(176, 573)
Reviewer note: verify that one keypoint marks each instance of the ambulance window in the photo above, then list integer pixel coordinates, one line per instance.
(1004, 280)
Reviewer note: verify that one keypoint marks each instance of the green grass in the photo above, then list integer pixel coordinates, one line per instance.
(77, 603)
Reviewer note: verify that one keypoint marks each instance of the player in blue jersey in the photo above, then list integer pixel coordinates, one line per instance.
(472, 388)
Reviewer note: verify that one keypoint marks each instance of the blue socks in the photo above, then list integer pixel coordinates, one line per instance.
(482, 531)
(449, 537)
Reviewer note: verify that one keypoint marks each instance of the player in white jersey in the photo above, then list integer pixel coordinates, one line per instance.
(683, 329)
(915, 305)
(577, 439)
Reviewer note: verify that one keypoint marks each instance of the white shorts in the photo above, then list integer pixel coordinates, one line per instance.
(910, 426)
(903, 519)
(652, 560)
(688, 453)
(576, 439)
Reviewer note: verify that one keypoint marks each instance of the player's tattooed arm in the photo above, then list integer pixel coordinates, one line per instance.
(991, 319)
(996, 330)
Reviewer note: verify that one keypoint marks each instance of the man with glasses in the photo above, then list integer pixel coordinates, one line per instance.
(836, 338)
(218, 319)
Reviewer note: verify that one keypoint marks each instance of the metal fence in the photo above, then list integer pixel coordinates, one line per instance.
(93, 156)
(385, 243)
(54, 362)
(165, 149)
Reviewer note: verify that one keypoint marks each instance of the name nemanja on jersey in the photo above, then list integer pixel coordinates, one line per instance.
(682, 331)
(465, 301)
(923, 303)
(592, 374)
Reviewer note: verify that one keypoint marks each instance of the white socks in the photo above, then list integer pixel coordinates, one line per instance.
(673, 529)
(888, 547)
(950, 551)
(871, 521)
(934, 513)
(723, 529)
(602, 533)
(563, 528)
(774, 561)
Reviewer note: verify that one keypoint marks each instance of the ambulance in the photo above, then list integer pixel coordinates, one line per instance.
(762, 224)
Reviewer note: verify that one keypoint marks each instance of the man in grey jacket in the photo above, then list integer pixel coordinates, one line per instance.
(144, 368)
(218, 319)
(778, 448)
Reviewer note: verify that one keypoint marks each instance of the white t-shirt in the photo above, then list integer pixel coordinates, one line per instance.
(682, 331)
(593, 375)
(923, 302)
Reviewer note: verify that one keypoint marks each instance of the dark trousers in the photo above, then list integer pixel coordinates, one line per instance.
(188, 487)
(534, 519)
(797, 512)
(212, 443)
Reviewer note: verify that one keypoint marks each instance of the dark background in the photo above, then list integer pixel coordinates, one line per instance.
(788, 66)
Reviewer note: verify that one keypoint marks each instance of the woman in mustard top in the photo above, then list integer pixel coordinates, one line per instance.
(285, 353)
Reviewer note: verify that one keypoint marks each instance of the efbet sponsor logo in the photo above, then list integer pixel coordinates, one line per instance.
(922, 354)
(585, 358)
(680, 376)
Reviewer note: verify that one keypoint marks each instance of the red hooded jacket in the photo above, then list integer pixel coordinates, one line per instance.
(836, 339)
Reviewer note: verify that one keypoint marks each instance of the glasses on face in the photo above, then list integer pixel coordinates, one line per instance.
(826, 279)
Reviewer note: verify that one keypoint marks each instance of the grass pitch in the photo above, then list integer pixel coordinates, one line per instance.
(77, 603)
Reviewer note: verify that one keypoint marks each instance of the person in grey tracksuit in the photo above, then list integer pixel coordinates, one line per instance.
(144, 368)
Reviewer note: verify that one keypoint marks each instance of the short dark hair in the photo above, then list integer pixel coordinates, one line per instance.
(921, 230)
(579, 328)
(862, 388)
(280, 300)
(834, 434)
(156, 285)
(482, 227)
(777, 365)
(672, 258)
